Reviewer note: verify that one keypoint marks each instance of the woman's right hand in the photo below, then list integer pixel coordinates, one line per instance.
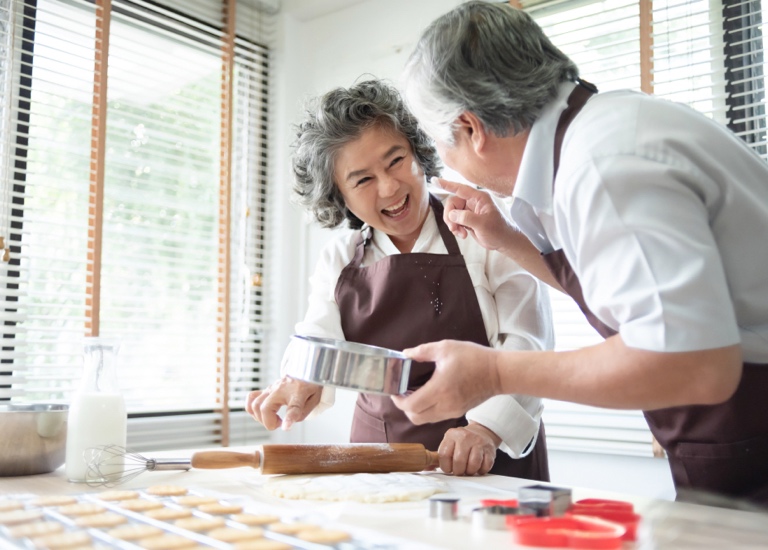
(299, 399)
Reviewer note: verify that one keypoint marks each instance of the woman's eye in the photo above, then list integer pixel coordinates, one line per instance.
(362, 181)
(396, 160)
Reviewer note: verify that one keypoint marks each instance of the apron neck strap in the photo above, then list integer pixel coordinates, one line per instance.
(449, 239)
(578, 98)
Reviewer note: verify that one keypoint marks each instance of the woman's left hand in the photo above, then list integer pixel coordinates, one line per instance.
(468, 451)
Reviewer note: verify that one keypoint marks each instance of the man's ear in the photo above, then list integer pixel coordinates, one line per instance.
(472, 130)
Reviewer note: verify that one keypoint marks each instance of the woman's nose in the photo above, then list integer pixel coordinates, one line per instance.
(388, 186)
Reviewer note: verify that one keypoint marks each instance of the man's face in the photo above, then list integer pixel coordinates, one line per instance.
(462, 158)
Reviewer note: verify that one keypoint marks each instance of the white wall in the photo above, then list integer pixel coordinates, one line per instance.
(335, 46)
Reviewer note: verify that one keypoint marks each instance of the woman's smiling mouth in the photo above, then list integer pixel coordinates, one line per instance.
(397, 209)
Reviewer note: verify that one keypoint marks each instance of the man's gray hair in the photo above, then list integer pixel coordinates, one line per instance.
(336, 119)
(489, 59)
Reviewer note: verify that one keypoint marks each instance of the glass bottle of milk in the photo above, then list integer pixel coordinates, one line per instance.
(97, 414)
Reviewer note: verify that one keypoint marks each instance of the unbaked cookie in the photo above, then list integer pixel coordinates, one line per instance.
(167, 514)
(167, 490)
(140, 504)
(262, 544)
(117, 495)
(255, 519)
(62, 540)
(35, 529)
(134, 531)
(200, 524)
(81, 509)
(8, 504)
(166, 542)
(218, 508)
(232, 534)
(107, 519)
(195, 500)
(14, 517)
(54, 500)
(324, 536)
(291, 528)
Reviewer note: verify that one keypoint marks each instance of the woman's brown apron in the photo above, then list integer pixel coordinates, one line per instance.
(405, 300)
(720, 448)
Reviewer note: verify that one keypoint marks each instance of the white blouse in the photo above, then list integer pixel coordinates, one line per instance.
(663, 215)
(514, 305)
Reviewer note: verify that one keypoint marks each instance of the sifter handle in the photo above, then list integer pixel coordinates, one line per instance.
(210, 460)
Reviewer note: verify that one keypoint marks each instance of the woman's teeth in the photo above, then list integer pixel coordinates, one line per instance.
(397, 208)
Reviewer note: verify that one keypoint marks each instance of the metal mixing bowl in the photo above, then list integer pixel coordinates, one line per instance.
(34, 438)
(360, 367)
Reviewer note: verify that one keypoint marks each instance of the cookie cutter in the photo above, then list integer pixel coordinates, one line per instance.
(495, 517)
(444, 507)
(567, 532)
(617, 511)
(546, 500)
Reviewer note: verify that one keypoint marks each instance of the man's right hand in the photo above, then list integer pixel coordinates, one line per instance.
(299, 399)
(471, 211)
(474, 212)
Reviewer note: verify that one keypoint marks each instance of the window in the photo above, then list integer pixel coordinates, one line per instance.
(134, 184)
(706, 54)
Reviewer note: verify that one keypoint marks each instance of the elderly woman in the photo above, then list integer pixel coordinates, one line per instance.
(401, 279)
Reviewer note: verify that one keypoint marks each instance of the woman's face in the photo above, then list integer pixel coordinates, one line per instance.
(383, 184)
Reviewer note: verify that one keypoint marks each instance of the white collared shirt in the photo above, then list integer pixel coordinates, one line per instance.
(663, 215)
(514, 305)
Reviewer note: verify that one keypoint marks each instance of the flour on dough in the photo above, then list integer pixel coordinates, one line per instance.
(392, 487)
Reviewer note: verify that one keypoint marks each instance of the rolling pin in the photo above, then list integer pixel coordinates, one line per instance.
(324, 459)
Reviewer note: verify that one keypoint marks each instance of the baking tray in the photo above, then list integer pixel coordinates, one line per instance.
(349, 365)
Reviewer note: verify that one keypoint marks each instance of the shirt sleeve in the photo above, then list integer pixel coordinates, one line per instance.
(322, 319)
(636, 231)
(523, 321)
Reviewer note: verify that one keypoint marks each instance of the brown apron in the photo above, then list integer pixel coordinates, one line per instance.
(405, 300)
(722, 448)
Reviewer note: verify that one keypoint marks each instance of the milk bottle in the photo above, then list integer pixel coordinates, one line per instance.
(97, 414)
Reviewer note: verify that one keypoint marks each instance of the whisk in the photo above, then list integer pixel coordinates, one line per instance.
(112, 465)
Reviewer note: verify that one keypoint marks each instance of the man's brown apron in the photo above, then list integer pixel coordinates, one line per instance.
(405, 300)
(721, 448)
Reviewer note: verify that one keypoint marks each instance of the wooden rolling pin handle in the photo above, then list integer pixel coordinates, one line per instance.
(433, 460)
(209, 460)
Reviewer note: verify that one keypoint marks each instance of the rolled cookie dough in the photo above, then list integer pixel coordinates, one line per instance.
(392, 487)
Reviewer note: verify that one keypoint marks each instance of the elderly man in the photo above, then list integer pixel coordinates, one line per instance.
(651, 216)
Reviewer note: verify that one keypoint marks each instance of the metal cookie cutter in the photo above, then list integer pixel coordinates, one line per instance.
(546, 500)
(444, 507)
(495, 517)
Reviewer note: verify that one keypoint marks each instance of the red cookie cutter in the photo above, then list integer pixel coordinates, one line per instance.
(571, 531)
(510, 503)
(616, 511)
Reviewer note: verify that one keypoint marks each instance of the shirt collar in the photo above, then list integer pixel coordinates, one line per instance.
(534, 179)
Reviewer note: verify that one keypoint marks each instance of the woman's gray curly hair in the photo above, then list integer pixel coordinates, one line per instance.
(336, 119)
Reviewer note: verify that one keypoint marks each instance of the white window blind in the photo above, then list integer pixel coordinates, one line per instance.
(699, 52)
(173, 254)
